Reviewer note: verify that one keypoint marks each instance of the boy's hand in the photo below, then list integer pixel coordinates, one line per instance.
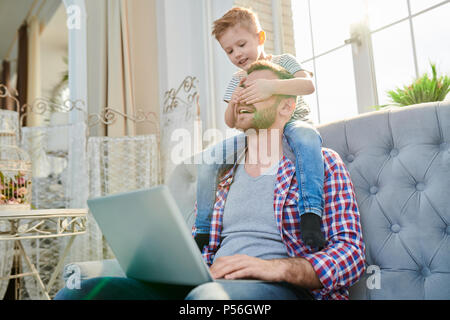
(256, 91)
(230, 112)
(236, 96)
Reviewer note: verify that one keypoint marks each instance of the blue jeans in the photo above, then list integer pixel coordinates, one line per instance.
(306, 145)
(114, 288)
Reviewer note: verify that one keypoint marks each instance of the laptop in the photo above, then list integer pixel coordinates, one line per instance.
(149, 237)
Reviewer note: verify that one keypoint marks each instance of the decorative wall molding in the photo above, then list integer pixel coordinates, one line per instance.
(41, 106)
(110, 115)
(187, 96)
(180, 114)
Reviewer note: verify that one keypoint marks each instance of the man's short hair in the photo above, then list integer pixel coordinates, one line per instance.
(245, 17)
(279, 71)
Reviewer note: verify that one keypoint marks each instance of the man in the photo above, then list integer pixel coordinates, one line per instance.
(255, 223)
(249, 239)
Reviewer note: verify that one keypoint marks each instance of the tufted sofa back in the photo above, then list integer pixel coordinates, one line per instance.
(399, 162)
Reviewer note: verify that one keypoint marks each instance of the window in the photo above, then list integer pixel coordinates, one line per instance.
(321, 28)
(404, 37)
(335, 83)
(430, 29)
(385, 12)
(393, 58)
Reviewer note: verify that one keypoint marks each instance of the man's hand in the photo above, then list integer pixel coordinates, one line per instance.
(256, 91)
(297, 271)
(245, 267)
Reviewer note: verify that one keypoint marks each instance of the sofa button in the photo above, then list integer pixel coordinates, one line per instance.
(373, 190)
(426, 272)
(448, 229)
(420, 186)
(394, 153)
(350, 158)
(443, 146)
(395, 228)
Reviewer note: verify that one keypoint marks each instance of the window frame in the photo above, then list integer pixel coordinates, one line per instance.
(363, 58)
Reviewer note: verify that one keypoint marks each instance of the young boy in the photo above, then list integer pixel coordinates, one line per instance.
(240, 35)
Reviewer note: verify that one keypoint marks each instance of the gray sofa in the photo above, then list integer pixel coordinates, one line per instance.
(399, 161)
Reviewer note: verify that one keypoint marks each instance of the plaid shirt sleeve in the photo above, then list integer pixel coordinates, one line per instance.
(341, 263)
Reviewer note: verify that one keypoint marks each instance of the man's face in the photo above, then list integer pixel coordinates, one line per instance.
(261, 115)
(241, 46)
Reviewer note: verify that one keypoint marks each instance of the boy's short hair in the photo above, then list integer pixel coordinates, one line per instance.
(279, 71)
(238, 15)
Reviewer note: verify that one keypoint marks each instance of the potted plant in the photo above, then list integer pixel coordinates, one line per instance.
(423, 89)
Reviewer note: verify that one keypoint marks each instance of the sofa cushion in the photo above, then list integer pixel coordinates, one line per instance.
(399, 162)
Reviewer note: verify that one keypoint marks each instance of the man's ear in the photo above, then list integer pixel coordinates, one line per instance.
(287, 107)
(262, 37)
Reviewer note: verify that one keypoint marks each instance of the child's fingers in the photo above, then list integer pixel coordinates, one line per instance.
(248, 96)
(253, 100)
(248, 93)
(235, 103)
(237, 94)
(242, 82)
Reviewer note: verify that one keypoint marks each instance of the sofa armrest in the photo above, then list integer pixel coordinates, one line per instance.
(94, 269)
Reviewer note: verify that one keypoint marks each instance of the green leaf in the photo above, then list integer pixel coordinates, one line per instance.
(422, 89)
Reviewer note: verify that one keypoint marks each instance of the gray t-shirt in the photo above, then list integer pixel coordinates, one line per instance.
(288, 62)
(249, 225)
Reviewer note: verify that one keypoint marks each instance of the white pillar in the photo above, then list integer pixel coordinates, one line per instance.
(76, 24)
(364, 69)
(210, 74)
(277, 19)
(77, 178)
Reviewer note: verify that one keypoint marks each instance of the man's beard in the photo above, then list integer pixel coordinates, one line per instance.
(265, 118)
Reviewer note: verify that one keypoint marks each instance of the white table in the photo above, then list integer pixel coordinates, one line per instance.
(40, 224)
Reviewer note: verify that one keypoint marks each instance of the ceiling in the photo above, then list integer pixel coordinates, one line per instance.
(13, 13)
(55, 33)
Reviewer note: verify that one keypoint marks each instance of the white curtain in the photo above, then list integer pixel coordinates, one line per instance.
(115, 165)
(52, 188)
(130, 160)
(110, 78)
(120, 87)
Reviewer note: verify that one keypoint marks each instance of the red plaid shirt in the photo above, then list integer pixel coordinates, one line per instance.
(341, 262)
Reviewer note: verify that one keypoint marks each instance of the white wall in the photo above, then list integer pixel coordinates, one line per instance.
(180, 44)
(223, 68)
(183, 34)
